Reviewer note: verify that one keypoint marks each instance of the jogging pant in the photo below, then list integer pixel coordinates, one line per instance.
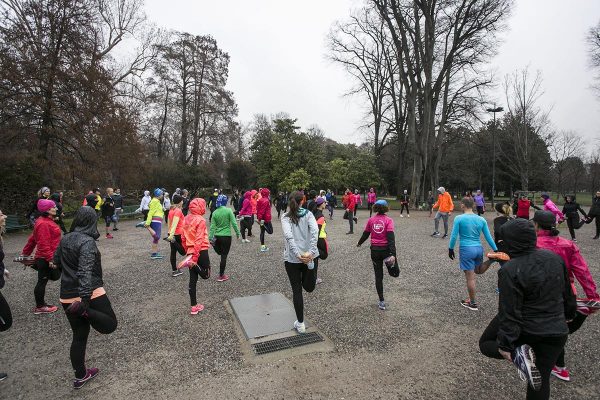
(101, 317)
(404, 206)
(176, 247)
(117, 217)
(300, 277)
(5, 314)
(222, 247)
(204, 261)
(370, 206)
(441, 215)
(45, 273)
(377, 256)
(351, 220)
(547, 351)
(573, 327)
(480, 210)
(330, 207)
(597, 218)
(266, 227)
(245, 223)
(574, 223)
(145, 214)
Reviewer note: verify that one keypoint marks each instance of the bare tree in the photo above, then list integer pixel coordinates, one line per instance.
(593, 41)
(564, 146)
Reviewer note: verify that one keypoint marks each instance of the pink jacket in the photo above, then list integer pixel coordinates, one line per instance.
(247, 204)
(550, 206)
(357, 199)
(576, 265)
(371, 197)
(263, 206)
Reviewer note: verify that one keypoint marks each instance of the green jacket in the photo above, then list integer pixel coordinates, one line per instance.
(221, 222)
(156, 210)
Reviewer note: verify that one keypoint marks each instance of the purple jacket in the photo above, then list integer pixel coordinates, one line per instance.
(479, 200)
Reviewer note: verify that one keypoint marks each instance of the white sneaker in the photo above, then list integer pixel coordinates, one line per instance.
(245, 241)
(401, 216)
(299, 327)
(408, 216)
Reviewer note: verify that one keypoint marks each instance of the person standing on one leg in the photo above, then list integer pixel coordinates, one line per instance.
(383, 246)
(577, 268)
(479, 202)
(322, 244)
(571, 211)
(371, 199)
(595, 214)
(175, 224)
(523, 204)
(154, 222)
(245, 216)
(44, 239)
(468, 228)
(263, 215)
(535, 302)
(82, 293)
(144, 208)
(5, 314)
(404, 203)
(350, 204)
(301, 235)
(220, 233)
(445, 206)
(358, 202)
(118, 201)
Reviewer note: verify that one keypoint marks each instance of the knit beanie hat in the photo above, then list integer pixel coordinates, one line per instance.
(221, 200)
(44, 205)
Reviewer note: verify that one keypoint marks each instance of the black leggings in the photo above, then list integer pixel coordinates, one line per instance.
(204, 261)
(222, 246)
(5, 315)
(246, 223)
(597, 218)
(377, 256)
(176, 247)
(45, 273)
(370, 206)
(404, 206)
(547, 351)
(574, 223)
(268, 228)
(573, 327)
(101, 317)
(300, 277)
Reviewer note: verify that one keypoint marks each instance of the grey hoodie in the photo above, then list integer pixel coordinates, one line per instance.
(300, 238)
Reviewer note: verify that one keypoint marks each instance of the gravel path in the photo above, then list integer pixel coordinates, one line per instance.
(424, 346)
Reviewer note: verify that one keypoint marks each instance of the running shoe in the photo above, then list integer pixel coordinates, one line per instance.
(186, 262)
(561, 373)
(401, 216)
(524, 359)
(408, 216)
(574, 240)
(381, 305)
(89, 375)
(25, 260)
(264, 248)
(445, 236)
(45, 309)
(300, 327)
(471, 305)
(498, 256)
(588, 305)
(435, 234)
(156, 256)
(115, 229)
(349, 233)
(319, 281)
(222, 278)
(109, 236)
(176, 273)
(389, 261)
(3, 376)
(245, 240)
(355, 220)
(196, 309)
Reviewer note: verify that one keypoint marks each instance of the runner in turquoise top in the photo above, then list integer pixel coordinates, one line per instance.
(468, 228)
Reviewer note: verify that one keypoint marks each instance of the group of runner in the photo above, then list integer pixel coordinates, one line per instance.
(530, 330)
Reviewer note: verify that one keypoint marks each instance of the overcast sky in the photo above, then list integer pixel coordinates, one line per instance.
(278, 57)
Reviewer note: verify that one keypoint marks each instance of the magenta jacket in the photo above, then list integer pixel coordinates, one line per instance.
(550, 206)
(371, 197)
(357, 199)
(576, 265)
(263, 206)
(246, 205)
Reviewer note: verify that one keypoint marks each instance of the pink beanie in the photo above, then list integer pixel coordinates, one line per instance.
(44, 205)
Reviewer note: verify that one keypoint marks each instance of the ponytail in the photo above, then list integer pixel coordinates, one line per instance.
(295, 202)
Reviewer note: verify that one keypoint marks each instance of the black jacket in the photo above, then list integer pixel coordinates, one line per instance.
(571, 210)
(108, 207)
(595, 209)
(118, 200)
(79, 258)
(1, 266)
(535, 293)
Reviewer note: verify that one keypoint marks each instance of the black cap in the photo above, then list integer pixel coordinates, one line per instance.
(177, 199)
(544, 218)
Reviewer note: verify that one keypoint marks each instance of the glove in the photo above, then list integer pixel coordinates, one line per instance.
(451, 254)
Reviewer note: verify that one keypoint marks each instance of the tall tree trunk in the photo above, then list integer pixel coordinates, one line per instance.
(163, 124)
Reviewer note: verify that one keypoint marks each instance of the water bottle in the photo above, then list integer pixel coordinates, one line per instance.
(311, 264)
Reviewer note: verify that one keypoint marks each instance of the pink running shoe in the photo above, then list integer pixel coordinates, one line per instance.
(186, 262)
(45, 309)
(196, 309)
(222, 278)
(593, 305)
(89, 375)
(561, 373)
(109, 236)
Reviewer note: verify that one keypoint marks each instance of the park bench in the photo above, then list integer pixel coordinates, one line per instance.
(13, 224)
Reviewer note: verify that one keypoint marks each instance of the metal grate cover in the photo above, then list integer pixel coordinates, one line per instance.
(271, 346)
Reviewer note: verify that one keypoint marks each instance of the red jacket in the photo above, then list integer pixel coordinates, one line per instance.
(44, 239)
(195, 234)
(246, 205)
(576, 265)
(263, 206)
(350, 202)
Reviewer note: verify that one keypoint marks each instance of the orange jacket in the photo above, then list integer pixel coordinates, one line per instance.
(195, 234)
(254, 201)
(444, 202)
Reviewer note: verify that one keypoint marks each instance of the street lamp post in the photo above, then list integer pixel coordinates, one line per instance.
(494, 111)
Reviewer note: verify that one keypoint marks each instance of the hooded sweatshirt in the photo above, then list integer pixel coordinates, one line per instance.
(195, 234)
(371, 197)
(571, 210)
(155, 210)
(444, 203)
(263, 206)
(44, 239)
(576, 265)
(550, 206)
(221, 222)
(535, 295)
(595, 208)
(79, 258)
(301, 238)
(246, 209)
